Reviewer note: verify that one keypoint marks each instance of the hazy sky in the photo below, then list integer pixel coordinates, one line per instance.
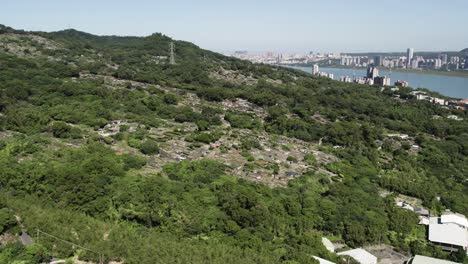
(259, 25)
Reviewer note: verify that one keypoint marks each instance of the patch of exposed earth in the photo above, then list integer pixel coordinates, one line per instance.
(26, 45)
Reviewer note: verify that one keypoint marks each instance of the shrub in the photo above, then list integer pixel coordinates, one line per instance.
(242, 121)
(310, 159)
(62, 130)
(170, 98)
(250, 143)
(149, 147)
(124, 128)
(134, 143)
(206, 137)
(7, 220)
(202, 125)
(133, 161)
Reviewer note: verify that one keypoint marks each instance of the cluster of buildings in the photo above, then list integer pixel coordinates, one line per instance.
(410, 61)
(353, 61)
(286, 59)
(360, 255)
(442, 60)
(421, 95)
(316, 71)
(364, 257)
(457, 104)
(372, 77)
(448, 231)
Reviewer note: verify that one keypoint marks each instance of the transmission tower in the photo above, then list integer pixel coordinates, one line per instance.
(172, 58)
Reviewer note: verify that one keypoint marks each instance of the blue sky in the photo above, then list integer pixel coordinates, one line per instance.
(260, 25)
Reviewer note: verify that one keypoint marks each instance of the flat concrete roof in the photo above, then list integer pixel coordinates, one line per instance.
(323, 261)
(451, 234)
(360, 255)
(427, 260)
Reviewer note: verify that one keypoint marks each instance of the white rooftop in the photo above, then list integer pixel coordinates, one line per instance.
(423, 220)
(427, 260)
(360, 255)
(328, 244)
(323, 261)
(459, 219)
(448, 233)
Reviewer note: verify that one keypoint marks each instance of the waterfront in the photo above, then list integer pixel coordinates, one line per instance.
(452, 86)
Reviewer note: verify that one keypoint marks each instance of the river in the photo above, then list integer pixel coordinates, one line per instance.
(453, 86)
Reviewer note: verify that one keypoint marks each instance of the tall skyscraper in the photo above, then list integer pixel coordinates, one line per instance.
(443, 57)
(409, 57)
(378, 60)
(414, 63)
(437, 63)
(315, 69)
(454, 60)
(372, 72)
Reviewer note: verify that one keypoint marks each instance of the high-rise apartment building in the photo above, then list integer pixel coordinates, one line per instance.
(382, 80)
(443, 57)
(437, 63)
(454, 60)
(414, 63)
(315, 69)
(409, 57)
(372, 72)
(378, 60)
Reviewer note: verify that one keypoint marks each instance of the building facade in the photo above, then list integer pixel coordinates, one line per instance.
(409, 57)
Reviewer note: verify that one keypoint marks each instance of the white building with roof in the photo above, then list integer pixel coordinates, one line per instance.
(405, 205)
(423, 220)
(315, 69)
(454, 117)
(449, 236)
(427, 260)
(323, 261)
(328, 244)
(454, 218)
(360, 255)
(438, 101)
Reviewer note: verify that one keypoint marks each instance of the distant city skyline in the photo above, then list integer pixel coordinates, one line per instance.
(297, 26)
(402, 52)
(434, 60)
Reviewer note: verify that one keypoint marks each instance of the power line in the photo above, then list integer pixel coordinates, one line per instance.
(101, 256)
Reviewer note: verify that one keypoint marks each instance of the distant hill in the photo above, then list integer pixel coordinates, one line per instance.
(107, 142)
(464, 50)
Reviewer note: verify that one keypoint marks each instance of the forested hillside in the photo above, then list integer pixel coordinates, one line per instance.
(107, 145)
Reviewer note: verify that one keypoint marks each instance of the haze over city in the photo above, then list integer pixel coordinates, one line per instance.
(321, 26)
